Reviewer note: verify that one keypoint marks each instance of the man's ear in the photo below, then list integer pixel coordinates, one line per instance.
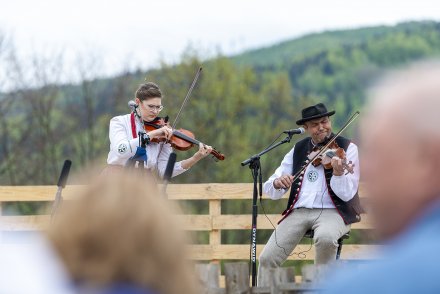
(138, 101)
(305, 126)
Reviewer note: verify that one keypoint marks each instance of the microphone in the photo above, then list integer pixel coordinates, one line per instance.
(170, 167)
(294, 131)
(132, 104)
(61, 184)
(64, 174)
(168, 172)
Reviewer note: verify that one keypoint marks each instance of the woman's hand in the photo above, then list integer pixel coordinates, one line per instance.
(204, 150)
(164, 132)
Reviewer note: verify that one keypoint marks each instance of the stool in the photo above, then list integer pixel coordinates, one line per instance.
(310, 234)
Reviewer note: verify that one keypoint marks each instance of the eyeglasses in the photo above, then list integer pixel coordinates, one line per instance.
(155, 107)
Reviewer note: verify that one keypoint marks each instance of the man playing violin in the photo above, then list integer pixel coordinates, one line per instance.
(323, 200)
(124, 131)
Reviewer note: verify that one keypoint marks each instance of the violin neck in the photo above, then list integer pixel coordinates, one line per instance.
(186, 138)
(182, 136)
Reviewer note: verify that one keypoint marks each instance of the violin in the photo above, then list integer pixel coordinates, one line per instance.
(325, 148)
(181, 139)
(326, 153)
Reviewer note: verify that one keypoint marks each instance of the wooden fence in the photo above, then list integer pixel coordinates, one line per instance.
(275, 280)
(214, 222)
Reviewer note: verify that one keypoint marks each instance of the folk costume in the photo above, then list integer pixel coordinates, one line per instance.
(318, 200)
(123, 134)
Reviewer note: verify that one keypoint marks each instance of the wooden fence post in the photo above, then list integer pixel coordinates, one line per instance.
(276, 280)
(209, 275)
(215, 210)
(237, 277)
(314, 273)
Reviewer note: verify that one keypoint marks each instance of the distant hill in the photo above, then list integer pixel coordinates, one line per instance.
(278, 54)
(338, 66)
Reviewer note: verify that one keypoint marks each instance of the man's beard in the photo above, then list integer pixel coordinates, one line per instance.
(325, 138)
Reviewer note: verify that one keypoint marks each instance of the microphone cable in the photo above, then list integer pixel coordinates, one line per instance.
(301, 254)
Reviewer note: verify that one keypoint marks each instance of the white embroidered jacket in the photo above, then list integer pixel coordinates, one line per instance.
(123, 146)
(314, 192)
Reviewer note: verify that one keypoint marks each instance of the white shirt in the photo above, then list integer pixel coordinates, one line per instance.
(123, 146)
(314, 192)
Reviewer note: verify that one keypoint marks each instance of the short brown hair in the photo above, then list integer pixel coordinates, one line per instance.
(120, 230)
(147, 91)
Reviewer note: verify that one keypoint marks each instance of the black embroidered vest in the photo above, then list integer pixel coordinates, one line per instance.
(350, 211)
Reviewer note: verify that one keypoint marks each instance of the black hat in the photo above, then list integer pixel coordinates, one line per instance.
(313, 112)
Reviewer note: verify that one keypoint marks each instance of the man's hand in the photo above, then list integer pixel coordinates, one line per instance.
(338, 169)
(283, 182)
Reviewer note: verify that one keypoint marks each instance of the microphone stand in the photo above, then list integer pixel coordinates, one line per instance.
(168, 172)
(255, 166)
(140, 157)
(61, 184)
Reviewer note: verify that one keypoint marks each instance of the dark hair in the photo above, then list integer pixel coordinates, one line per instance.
(147, 91)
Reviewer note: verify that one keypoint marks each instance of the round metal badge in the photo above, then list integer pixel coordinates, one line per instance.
(312, 176)
(122, 148)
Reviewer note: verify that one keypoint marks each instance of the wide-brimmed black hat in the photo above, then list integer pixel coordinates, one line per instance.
(313, 112)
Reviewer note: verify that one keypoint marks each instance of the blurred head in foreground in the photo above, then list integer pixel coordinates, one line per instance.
(401, 168)
(121, 231)
(401, 147)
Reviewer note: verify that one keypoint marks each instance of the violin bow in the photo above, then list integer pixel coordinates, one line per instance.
(188, 94)
(323, 149)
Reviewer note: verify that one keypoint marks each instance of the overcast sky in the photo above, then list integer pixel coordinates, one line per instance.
(143, 32)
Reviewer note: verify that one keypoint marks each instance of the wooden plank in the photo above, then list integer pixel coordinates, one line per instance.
(190, 222)
(39, 222)
(298, 280)
(211, 191)
(201, 222)
(224, 191)
(208, 275)
(314, 273)
(244, 222)
(272, 277)
(36, 193)
(241, 252)
(24, 222)
(237, 277)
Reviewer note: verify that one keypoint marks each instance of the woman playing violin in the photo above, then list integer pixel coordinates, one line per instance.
(124, 131)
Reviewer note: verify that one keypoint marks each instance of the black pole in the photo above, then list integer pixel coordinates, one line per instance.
(61, 184)
(255, 166)
(168, 172)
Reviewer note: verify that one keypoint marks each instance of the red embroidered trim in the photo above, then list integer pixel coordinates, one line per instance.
(331, 198)
(133, 125)
(289, 211)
